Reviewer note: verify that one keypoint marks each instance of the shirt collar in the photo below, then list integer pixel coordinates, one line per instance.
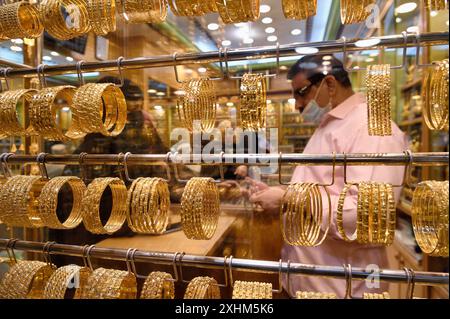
(347, 106)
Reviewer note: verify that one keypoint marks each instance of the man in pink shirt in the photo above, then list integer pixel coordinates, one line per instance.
(324, 95)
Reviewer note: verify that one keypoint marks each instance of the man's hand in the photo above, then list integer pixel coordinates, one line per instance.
(269, 198)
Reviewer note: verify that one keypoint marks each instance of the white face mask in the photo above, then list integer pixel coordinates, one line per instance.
(313, 113)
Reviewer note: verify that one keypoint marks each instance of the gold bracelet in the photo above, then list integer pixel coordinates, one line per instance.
(192, 7)
(158, 285)
(25, 280)
(148, 203)
(90, 205)
(354, 11)
(202, 288)
(92, 102)
(252, 108)
(251, 290)
(9, 119)
(233, 11)
(200, 208)
(142, 11)
(102, 16)
(48, 202)
(384, 295)
(299, 9)
(18, 199)
(61, 27)
(436, 5)
(315, 295)
(430, 217)
(65, 278)
(20, 20)
(340, 213)
(110, 284)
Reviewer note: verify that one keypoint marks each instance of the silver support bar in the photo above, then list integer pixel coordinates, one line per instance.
(395, 276)
(325, 47)
(394, 159)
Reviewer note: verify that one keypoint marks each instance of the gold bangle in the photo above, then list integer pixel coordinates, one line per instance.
(340, 213)
(20, 20)
(61, 27)
(158, 285)
(25, 279)
(251, 290)
(436, 5)
(192, 7)
(384, 295)
(233, 11)
(110, 284)
(354, 11)
(65, 278)
(9, 119)
(299, 9)
(200, 208)
(253, 104)
(48, 202)
(42, 114)
(92, 102)
(90, 205)
(148, 203)
(314, 295)
(102, 16)
(142, 11)
(202, 288)
(18, 201)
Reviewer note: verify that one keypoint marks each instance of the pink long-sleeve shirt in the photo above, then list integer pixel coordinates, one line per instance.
(344, 129)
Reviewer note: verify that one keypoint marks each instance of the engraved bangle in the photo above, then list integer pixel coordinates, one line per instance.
(299, 9)
(253, 102)
(251, 290)
(142, 11)
(102, 16)
(314, 295)
(20, 20)
(110, 284)
(9, 119)
(64, 278)
(202, 288)
(158, 285)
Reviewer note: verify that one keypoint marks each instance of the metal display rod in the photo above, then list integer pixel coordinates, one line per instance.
(183, 260)
(395, 159)
(334, 46)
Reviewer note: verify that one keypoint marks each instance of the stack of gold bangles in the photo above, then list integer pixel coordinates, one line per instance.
(110, 284)
(376, 216)
(253, 105)
(252, 290)
(102, 16)
(197, 107)
(299, 9)
(315, 295)
(142, 11)
(64, 278)
(158, 285)
(378, 84)
(354, 11)
(20, 20)
(200, 208)
(9, 121)
(384, 295)
(192, 7)
(435, 96)
(148, 204)
(430, 217)
(202, 288)
(301, 214)
(233, 11)
(436, 5)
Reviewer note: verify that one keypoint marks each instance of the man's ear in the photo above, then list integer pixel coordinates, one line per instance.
(332, 84)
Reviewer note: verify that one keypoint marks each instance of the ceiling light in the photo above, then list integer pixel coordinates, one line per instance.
(270, 30)
(226, 43)
(398, 19)
(446, 23)
(406, 7)
(368, 60)
(272, 38)
(269, 101)
(264, 8)
(201, 70)
(326, 63)
(413, 29)
(433, 13)
(248, 40)
(266, 20)
(296, 31)
(158, 107)
(188, 71)
(230, 104)
(46, 58)
(327, 57)
(283, 68)
(160, 93)
(291, 101)
(179, 92)
(69, 58)
(54, 53)
(373, 54)
(65, 109)
(151, 91)
(367, 43)
(15, 48)
(240, 24)
(213, 26)
(306, 50)
(17, 41)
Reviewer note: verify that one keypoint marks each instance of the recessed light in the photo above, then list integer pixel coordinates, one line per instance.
(413, 29)
(283, 67)
(325, 72)
(264, 8)
(65, 109)
(152, 91)
(327, 57)
(54, 53)
(266, 20)
(398, 20)
(213, 26)
(46, 58)
(226, 43)
(368, 60)
(160, 93)
(269, 101)
(291, 101)
(240, 24)
(17, 41)
(248, 40)
(69, 58)
(296, 31)
(201, 70)
(433, 13)
(15, 48)
(367, 43)
(306, 50)
(270, 30)
(446, 23)
(230, 104)
(158, 107)
(179, 92)
(272, 38)
(406, 7)
(326, 63)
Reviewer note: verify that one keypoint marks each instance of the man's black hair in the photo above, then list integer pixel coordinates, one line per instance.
(312, 66)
